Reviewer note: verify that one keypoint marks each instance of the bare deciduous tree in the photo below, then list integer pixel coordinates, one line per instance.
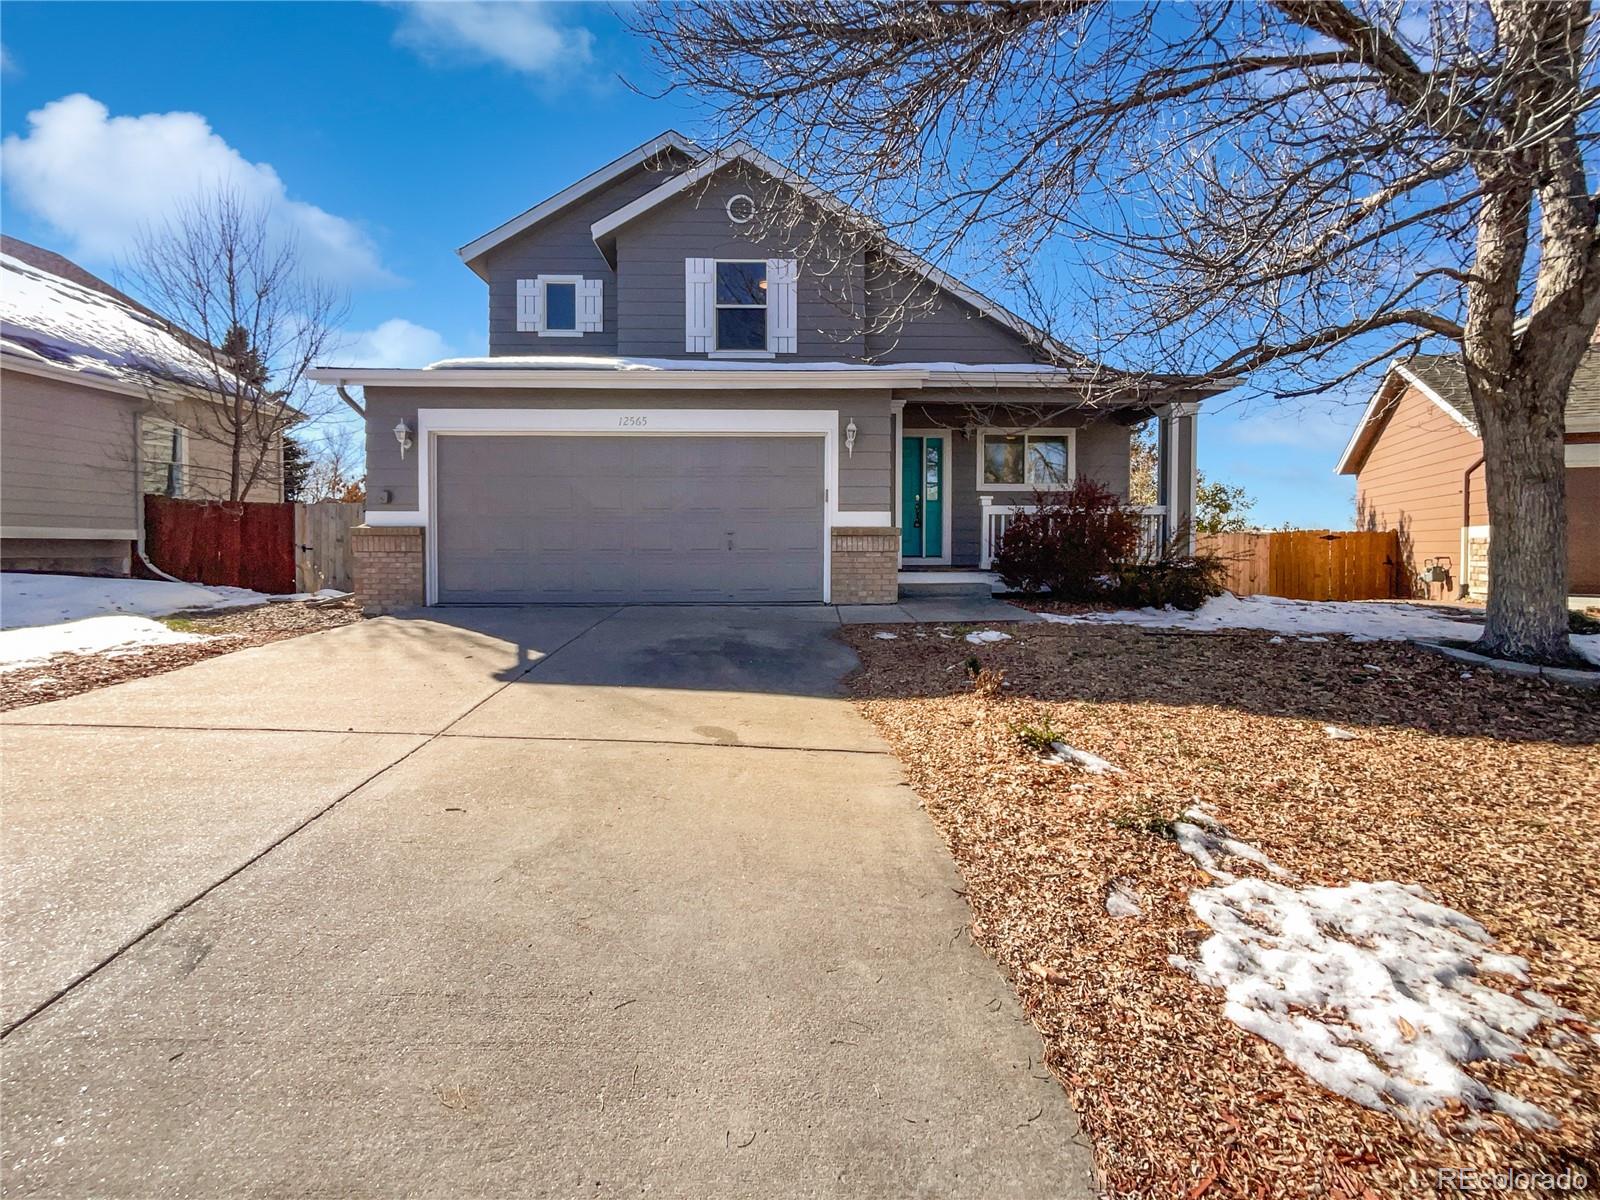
(223, 274)
(1296, 190)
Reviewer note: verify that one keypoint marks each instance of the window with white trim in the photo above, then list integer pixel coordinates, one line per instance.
(560, 305)
(161, 455)
(741, 303)
(1026, 459)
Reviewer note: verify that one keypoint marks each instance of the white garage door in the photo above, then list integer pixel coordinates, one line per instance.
(544, 519)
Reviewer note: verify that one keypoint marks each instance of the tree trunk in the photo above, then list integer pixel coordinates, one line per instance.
(235, 449)
(1525, 470)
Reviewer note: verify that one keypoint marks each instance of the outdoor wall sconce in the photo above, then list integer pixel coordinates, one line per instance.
(850, 439)
(402, 434)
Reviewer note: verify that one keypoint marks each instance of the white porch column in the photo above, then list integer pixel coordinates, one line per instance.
(1177, 468)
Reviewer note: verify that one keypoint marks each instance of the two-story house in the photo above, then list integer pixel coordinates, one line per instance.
(708, 381)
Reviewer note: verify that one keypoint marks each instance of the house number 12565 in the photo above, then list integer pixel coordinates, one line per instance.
(632, 422)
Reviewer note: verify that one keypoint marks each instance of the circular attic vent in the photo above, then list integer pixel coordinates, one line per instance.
(741, 209)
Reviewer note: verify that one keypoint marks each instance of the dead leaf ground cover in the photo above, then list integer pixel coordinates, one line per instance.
(1481, 787)
(69, 674)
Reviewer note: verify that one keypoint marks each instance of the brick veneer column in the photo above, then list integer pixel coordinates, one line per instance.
(389, 567)
(866, 564)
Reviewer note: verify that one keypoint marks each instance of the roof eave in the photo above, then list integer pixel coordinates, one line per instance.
(522, 222)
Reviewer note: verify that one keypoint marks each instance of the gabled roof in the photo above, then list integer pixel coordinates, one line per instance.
(594, 181)
(605, 230)
(57, 326)
(1443, 380)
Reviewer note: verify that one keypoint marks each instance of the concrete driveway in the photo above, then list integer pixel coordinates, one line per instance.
(533, 902)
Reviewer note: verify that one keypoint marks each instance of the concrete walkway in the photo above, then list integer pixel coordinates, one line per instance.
(500, 903)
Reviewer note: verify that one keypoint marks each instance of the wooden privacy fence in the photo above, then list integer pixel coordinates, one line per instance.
(1311, 564)
(267, 547)
(322, 545)
(232, 543)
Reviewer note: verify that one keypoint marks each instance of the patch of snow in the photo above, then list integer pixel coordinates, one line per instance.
(1372, 666)
(1374, 990)
(33, 600)
(45, 318)
(1587, 647)
(116, 636)
(1060, 752)
(1122, 900)
(1466, 674)
(984, 636)
(1339, 735)
(887, 637)
(1203, 838)
(1275, 641)
(1359, 620)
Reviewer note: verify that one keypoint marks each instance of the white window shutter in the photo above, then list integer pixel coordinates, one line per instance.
(591, 305)
(529, 319)
(782, 277)
(699, 314)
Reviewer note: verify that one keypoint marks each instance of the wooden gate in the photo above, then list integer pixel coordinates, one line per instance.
(1311, 564)
(323, 557)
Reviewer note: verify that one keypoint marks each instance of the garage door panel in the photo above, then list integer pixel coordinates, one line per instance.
(596, 519)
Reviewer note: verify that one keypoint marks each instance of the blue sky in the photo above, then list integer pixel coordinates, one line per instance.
(389, 135)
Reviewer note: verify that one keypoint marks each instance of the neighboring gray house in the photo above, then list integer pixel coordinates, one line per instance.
(705, 383)
(101, 403)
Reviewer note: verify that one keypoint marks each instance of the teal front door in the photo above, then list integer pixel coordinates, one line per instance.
(922, 495)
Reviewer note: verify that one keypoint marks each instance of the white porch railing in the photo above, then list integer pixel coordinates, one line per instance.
(996, 519)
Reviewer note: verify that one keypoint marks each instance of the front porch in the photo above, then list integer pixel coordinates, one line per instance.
(963, 469)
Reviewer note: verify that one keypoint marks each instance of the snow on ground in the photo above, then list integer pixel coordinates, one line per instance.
(1060, 752)
(1374, 990)
(31, 646)
(1360, 620)
(984, 636)
(45, 615)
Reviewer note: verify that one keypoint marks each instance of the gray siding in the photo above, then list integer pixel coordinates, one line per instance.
(864, 477)
(208, 469)
(562, 245)
(66, 455)
(911, 321)
(1102, 455)
(651, 252)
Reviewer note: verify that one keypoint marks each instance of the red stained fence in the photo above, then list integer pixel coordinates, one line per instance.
(238, 544)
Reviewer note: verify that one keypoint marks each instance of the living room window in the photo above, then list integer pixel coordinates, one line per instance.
(1026, 460)
(741, 303)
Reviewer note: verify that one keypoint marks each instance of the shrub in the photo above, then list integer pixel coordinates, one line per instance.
(1069, 544)
(1184, 582)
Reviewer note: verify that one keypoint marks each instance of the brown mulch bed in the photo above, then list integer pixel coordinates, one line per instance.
(68, 674)
(1483, 788)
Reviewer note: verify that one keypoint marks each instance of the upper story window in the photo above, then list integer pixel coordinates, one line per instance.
(1040, 459)
(741, 305)
(560, 305)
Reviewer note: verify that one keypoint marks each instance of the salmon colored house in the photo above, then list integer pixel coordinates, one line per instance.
(1418, 462)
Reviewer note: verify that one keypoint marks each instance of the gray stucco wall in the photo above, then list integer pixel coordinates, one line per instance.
(66, 455)
(1102, 455)
(562, 245)
(864, 477)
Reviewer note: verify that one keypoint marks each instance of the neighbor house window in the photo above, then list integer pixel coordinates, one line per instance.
(741, 305)
(161, 457)
(1031, 460)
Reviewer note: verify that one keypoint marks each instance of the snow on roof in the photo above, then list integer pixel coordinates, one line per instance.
(47, 319)
(580, 362)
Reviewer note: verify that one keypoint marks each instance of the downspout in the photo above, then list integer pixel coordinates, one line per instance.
(138, 498)
(351, 401)
(1466, 523)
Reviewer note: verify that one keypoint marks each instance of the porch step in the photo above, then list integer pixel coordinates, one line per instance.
(947, 585)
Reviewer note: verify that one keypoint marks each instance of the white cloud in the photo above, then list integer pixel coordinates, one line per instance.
(395, 343)
(525, 37)
(8, 65)
(100, 180)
